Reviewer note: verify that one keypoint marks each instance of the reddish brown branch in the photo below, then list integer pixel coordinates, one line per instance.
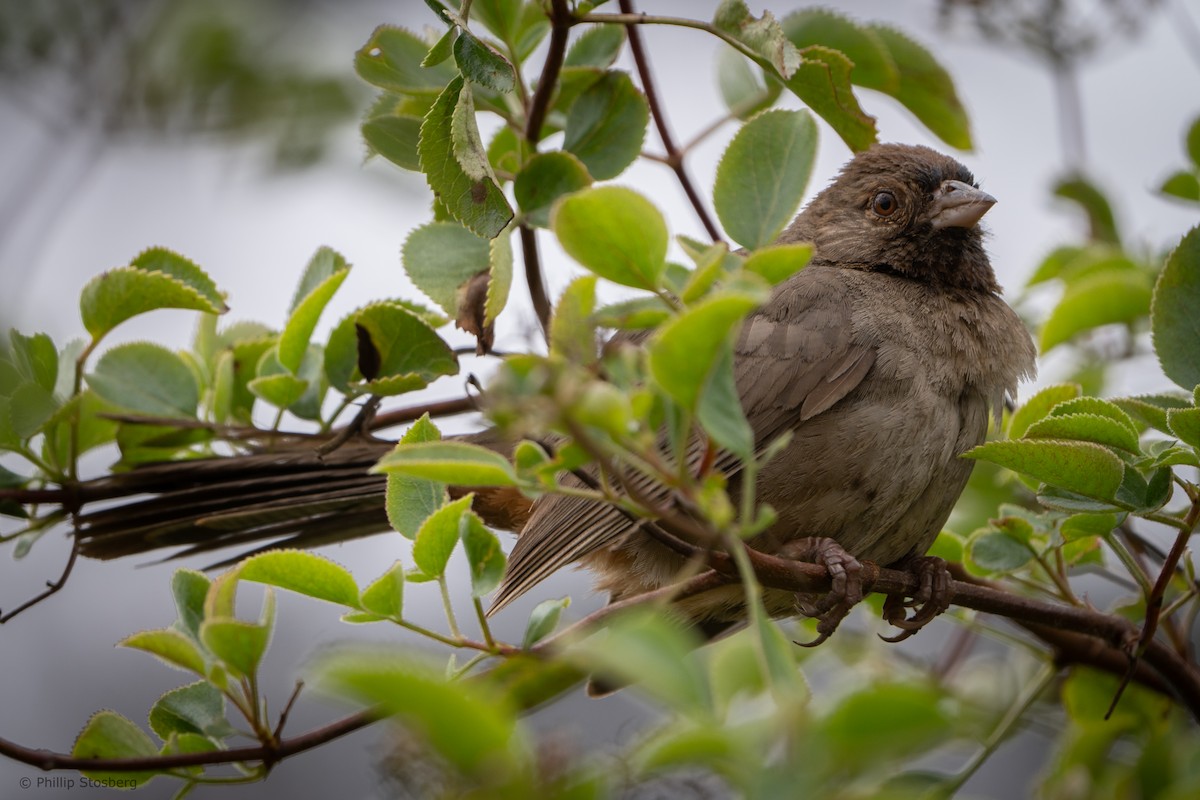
(52, 587)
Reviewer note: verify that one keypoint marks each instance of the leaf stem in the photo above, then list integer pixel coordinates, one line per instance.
(448, 607)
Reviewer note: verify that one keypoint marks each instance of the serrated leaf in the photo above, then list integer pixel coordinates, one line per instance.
(762, 175)
(874, 66)
(1117, 296)
(606, 125)
(198, 708)
(1094, 405)
(439, 257)
(500, 274)
(385, 596)
(1185, 423)
(459, 463)
(925, 88)
(391, 59)
(28, 409)
(189, 588)
(304, 573)
(407, 348)
(1152, 409)
(438, 536)
(411, 500)
(171, 646)
(762, 34)
(614, 232)
(1079, 526)
(238, 644)
(453, 166)
(543, 620)
(35, 359)
(1058, 499)
(1174, 323)
(778, 263)
(322, 277)
(544, 179)
(719, 409)
(281, 390)
(484, 556)
(109, 735)
(822, 82)
(481, 64)
(146, 378)
(685, 351)
(395, 137)
(119, 294)
(1082, 467)
(442, 49)
(598, 46)
(572, 334)
(1085, 427)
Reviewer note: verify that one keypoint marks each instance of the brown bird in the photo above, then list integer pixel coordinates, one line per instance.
(884, 357)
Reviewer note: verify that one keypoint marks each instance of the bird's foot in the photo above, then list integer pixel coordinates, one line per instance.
(846, 591)
(932, 598)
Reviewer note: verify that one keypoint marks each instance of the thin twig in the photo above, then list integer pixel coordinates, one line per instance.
(674, 154)
(52, 587)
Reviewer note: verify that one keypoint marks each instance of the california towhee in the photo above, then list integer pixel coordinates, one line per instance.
(884, 357)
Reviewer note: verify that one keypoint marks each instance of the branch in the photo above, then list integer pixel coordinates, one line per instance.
(674, 157)
(267, 754)
(52, 587)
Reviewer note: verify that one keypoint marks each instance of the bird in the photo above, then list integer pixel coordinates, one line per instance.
(884, 359)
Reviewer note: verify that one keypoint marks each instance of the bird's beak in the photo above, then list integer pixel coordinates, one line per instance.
(959, 205)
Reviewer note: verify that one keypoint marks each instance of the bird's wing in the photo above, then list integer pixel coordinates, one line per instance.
(794, 358)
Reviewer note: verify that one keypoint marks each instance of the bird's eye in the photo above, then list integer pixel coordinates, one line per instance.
(884, 204)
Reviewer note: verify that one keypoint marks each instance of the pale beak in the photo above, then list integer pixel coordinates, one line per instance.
(958, 205)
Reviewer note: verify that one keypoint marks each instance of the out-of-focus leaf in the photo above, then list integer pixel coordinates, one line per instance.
(1174, 321)
(1183, 185)
(1101, 221)
(146, 378)
(1100, 299)
(615, 232)
(925, 88)
(395, 137)
(545, 178)
(598, 47)
(391, 59)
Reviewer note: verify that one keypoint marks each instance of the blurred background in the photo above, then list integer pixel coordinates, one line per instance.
(227, 131)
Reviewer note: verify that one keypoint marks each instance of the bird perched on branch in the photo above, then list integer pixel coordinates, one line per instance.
(884, 358)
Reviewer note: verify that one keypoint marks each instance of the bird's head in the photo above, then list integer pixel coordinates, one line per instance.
(906, 210)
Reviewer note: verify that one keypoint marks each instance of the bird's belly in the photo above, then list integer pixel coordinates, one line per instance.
(879, 475)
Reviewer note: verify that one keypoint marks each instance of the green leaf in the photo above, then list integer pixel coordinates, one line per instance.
(385, 595)
(35, 359)
(1102, 223)
(1079, 526)
(1094, 405)
(109, 735)
(598, 47)
(324, 274)
(762, 34)
(1072, 503)
(437, 537)
(685, 351)
(197, 708)
(741, 84)
(1174, 323)
(280, 390)
(691, 745)
(874, 66)
(1082, 467)
(441, 257)
(606, 125)
(925, 88)
(119, 294)
(1104, 298)
(1185, 423)
(146, 378)
(481, 64)
(171, 646)
(1152, 409)
(484, 555)
(614, 232)
(994, 551)
(238, 644)
(545, 178)
(1193, 143)
(778, 263)
(456, 166)
(654, 653)
(949, 546)
(638, 313)
(406, 347)
(1182, 184)
(189, 588)
(395, 137)
(543, 620)
(304, 573)
(411, 500)
(29, 408)
(391, 59)
(762, 175)
(501, 17)
(465, 724)
(500, 274)
(572, 335)
(883, 720)
(1085, 427)
(720, 408)
(823, 84)
(160, 259)
(442, 49)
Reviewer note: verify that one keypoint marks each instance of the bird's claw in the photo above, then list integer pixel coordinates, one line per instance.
(846, 590)
(931, 599)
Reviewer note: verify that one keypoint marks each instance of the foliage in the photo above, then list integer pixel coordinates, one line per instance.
(1067, 490)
